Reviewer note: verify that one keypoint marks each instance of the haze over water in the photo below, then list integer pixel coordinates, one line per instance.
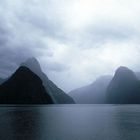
(70, 122)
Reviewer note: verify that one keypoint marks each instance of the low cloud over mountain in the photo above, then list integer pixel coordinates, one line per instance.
(75, 41)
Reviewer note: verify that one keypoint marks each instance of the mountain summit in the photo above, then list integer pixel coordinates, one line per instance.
(124, 87)
(24, 87)
(123, 74)
(58, 96)
(33, 65)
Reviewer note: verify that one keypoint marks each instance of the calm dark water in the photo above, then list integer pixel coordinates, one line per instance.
(70, 122)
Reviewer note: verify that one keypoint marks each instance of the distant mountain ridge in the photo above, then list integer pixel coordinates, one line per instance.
(93, 93)
(122, 88)
(58, 95)
(24, 87)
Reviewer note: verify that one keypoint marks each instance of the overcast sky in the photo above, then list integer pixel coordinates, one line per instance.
(75, 41)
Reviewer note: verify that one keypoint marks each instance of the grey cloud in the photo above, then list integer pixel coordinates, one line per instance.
(103, 31)
(26, 25)
(40, 21)
(4, 33)
(17, 42)
(56, 67)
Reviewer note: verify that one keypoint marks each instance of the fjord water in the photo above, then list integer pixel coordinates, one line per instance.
(70, 122)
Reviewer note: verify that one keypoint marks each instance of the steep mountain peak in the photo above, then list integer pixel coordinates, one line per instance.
(24, 72)
(33, 64)
(124, 73)
(56, 94)
(124, 87)
(122, 69)
(24, 87)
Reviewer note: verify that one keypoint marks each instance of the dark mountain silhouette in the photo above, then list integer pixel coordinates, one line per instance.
(58, 96)
(93, 93)
(124, 87)
(1, 81)
(24, 87)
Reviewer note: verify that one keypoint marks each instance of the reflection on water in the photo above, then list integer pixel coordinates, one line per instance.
(127, 122)
(20, 123)
(70, 122)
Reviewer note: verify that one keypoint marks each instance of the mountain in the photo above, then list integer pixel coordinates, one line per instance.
(124, 88)
(1, 81)
(93, 93)
(24, 87)
(58, 96)
(137, 75)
